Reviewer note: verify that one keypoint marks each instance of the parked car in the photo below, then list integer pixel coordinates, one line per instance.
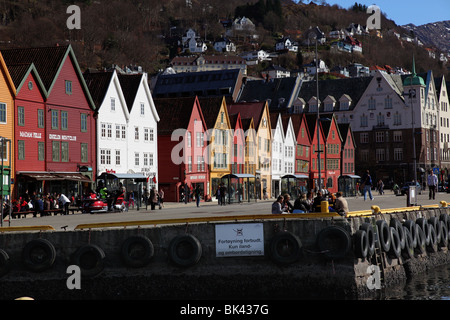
(404, 190)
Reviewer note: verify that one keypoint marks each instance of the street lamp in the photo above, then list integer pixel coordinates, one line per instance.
(412, 94)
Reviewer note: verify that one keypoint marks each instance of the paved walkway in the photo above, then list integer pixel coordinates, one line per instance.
(173, 210)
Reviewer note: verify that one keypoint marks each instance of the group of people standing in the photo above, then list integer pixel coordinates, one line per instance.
(39, 204)
(307, 203)
(154, 198)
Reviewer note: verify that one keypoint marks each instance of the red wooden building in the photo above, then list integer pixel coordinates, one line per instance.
(311, 120)
(181, 146)
(303, 149)
(54, 118)
(333, 143)
(347, 181)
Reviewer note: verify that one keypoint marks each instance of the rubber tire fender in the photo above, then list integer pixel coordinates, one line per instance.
(444, 234)
(434, 221)
(368, 228)
(411, 226)
(421, 242)
(398, 226)
(185, 250)
(39, 255)
(90, 258)
(408, 251)
(5, 264)
(137, 251)
(361, 242)
(384, 235)
(285, 248)
(396, 247)
(433, 246)
(334, 241)
(423, 224)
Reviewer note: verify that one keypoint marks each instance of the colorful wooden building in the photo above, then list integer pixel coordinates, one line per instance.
(68, 123)
(181, 147)
(333, 144)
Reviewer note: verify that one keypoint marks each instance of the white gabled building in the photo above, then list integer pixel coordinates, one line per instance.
(277, 153)
(444, 123)
(142, 153)
(290, 145)
(112, 121)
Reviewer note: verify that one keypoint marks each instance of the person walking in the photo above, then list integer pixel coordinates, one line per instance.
(367, 183)
(197, 193)
(432, 183)
(65, 203)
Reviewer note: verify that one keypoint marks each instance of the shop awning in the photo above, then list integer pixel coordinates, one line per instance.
(108, 175)
(295, 176)
(238, 175)
(72, 176)
(352, 176)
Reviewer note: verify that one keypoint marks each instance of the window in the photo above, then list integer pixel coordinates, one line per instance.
(109, 126)
(142, 109)
(152, 135)
(2, 113)
(136, 133)
(372, 104)
(64, 121)
(56, 151)
(41, 151)
(117, 131)
(21, 149)
(150, 159)
(145, 159)
(397, 119)
(84, 152)
(146, 132)
(20, 116)
(388, 102)
(199, 139)
(124, 134)
(398, 154)
(103, 130)
(189, 164)
(188, 139)
(83, 120)
(364, 121)
(40, 118)
(113, 104)
(102, 156)
(364, 137)
(398, 136)
(379, 137)
(64, 151)
(117, 157)
(55, 119)
(380, 119)
(380, 155)
(136, 158)
(68, 87)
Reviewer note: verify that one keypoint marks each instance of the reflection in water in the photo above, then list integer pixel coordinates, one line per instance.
(432, 285)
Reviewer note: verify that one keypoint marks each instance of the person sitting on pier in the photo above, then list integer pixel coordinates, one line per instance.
(301, 204)
(277, 207)
(287, 204)
(318, 202)
(341, 205)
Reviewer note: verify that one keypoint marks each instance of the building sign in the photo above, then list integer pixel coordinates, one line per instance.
(62, 137)
(244, 239)
(26, 134)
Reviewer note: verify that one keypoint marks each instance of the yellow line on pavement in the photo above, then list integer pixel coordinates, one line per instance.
(29, 228)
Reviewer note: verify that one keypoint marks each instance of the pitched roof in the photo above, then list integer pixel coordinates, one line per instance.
(248, 110)
(98, 84)
(174, 113)
(210, 108)
(130, 85)
(19, 73)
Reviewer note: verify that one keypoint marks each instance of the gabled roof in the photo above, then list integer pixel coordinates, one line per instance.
(345, 129)
(248, 110)
(7, 75)
(130, 84)
(19, 73)
(210, 108)
(48, 62)
(175, 113)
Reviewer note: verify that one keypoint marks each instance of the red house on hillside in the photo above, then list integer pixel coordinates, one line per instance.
(181, 146)
(56, 126)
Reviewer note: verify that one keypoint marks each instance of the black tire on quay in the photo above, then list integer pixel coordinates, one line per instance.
(334, 242)
(285, 248)
(421, 242)
(384, 235)
(137, 251)
(433, 246)
(408, 251)
(411, 226)
(368, 228)
(423, 223)
(361, 244)
(444, 234)
(5, 265)
(90, 259)
(396, 247)
(39, 255)
(434, 221)
(398, 226)
(185, 250)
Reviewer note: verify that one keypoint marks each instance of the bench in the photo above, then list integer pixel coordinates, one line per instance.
(17, 214)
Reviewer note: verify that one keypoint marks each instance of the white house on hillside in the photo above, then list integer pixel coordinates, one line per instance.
(190, 41)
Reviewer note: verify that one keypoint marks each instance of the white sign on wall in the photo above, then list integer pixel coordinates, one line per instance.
(244, 239)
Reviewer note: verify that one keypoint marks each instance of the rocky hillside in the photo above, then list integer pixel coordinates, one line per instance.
(435, 34)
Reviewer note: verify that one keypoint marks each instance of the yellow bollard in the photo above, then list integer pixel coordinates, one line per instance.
(324, 207)
(376, 209)
(443, 204)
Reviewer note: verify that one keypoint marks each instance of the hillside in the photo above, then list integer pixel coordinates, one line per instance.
(129, 32)
(435, 34)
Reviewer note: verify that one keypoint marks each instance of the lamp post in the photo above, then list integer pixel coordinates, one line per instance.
(319, 184)
(412, 94)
